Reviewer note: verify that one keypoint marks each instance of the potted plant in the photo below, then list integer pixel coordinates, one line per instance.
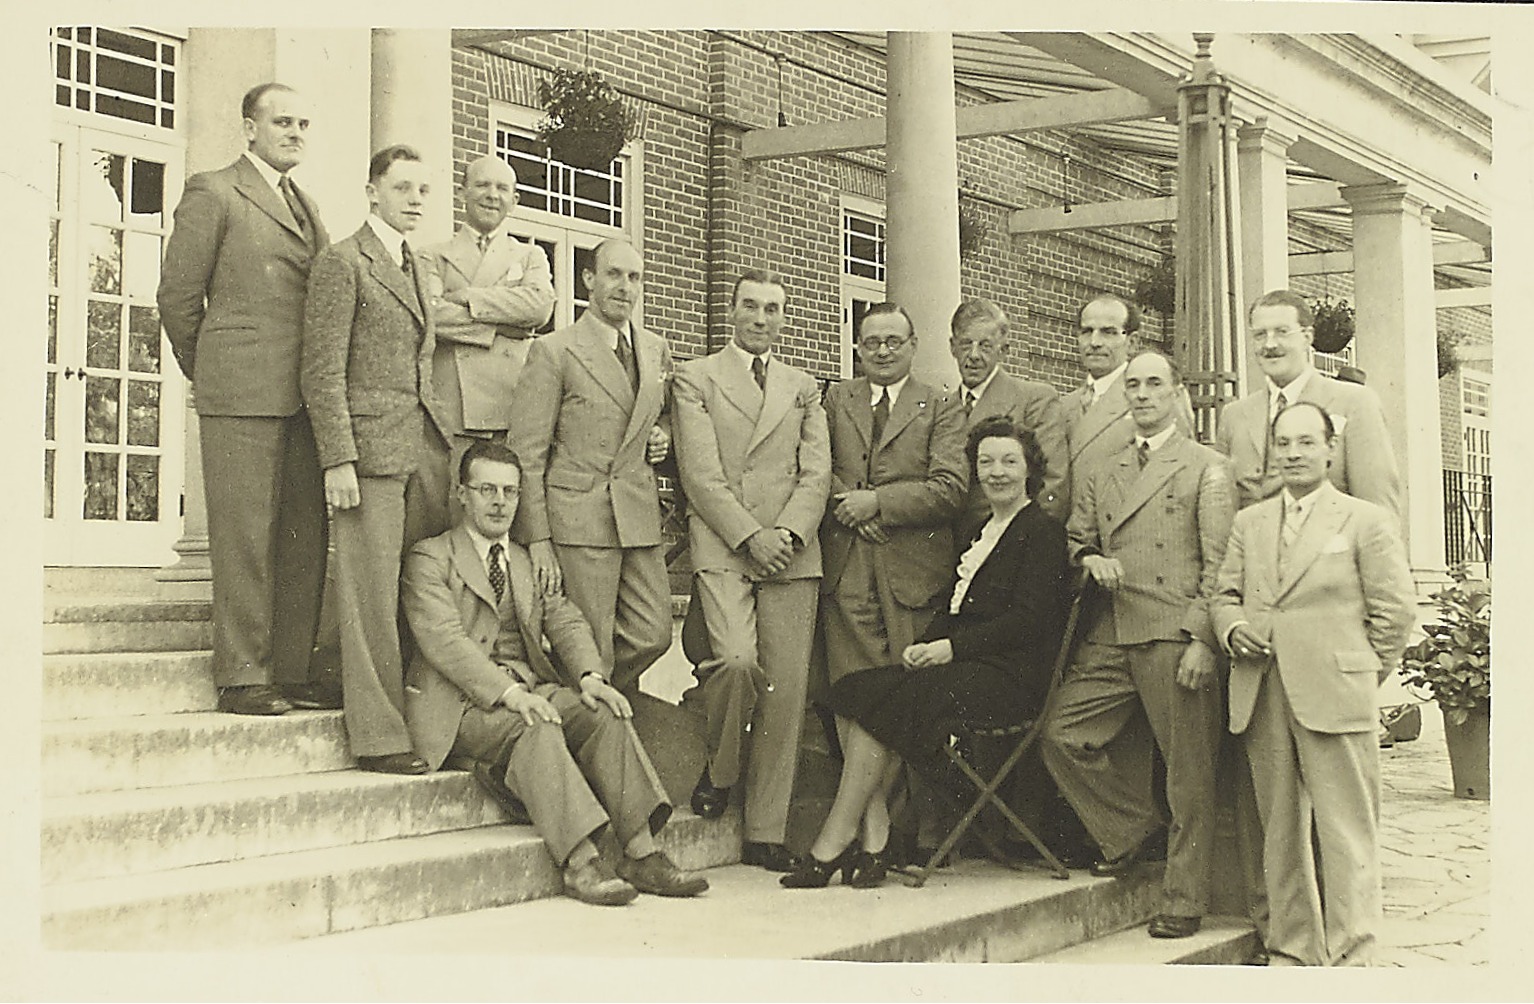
(972, 227)
(1333, 326)
(1454, 662)
(1158, 290)
(585, 120)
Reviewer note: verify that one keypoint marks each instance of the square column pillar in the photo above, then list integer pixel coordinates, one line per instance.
(923, 189)
(1397, 344)
(1262, 157)
(412, 102)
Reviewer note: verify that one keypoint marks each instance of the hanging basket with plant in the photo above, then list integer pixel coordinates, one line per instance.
(585, 121)
(1158, 290)
(973, 228)
(1333, 326)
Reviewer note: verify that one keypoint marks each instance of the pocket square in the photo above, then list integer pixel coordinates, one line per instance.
(1337, 545)
(1339, 422)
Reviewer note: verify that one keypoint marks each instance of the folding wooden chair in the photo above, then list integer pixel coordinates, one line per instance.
(961, 743)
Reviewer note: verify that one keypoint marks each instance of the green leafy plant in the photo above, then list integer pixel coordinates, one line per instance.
(1454, 660)
(1158, 290)
(585, 120)
(1333, 326)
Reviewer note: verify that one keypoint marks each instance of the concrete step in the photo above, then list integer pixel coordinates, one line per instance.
(150, 751)
(1222, 941)
(307, 893)
(156, 829)
(116, 684)
(974, 912)
(118, 624)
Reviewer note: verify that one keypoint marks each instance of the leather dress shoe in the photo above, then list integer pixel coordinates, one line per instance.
(1152, 848)
(656, 875)
(773, 857)
(312, 696)
(709, 802)
(593, 881)
(1169, 925)
(394, 763)
(259, 699)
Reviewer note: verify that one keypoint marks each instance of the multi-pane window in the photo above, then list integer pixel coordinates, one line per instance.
(862, 272)
(862, 245)
(124, 73)
(1332, 362)
(1475, 401)
(555, 187)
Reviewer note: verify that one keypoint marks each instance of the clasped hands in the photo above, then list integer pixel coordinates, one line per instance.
(858, 510)
(770, 549)
(594, 690)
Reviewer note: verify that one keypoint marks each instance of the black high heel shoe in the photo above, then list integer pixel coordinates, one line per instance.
(812, 873)
(869, 870)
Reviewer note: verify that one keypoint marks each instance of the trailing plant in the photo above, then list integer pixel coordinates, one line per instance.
(1333, 326)
(1158, 289)
(585, 120)
(1454, 660)
(973, 228)
(1448, 353)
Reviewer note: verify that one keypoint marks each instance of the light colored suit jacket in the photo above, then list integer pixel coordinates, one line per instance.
(1363, 463)
(1168, 525)
(453, 614)
(580, 432)
(750, 459)
(1034, 406)
(1098, 432)
(367, 360)
(1336, 620)
(231, 293)
(918, 471)
(481, 347)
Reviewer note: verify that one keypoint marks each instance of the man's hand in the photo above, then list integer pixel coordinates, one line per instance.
(857, 506)
(1195, 670)
(532, 707)
(1246, 643)
(546, 571)
(770, 549)
(928, 653)
(341, 491)
(658, 445)
(595, 689)
(458, 296)
(1107, 572)
(873, 531)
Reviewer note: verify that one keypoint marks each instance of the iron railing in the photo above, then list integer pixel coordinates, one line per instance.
(1466, 517)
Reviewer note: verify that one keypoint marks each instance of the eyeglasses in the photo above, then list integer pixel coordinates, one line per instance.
(963, 345)
(490, 492)
(894, 344)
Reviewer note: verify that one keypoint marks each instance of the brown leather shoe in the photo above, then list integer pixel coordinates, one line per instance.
(312, 696)
(394, 763)
(1166, 925)
(258, 699)
(593, 882)
(657, 876)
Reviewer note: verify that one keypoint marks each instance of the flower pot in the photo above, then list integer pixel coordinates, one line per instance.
(1470, 754)
(593, 151)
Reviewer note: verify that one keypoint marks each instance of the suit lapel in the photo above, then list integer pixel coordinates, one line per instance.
(462, 252)
(860, 410)
(1137, 486)
(592, 349)
(736, 388)
(470, 568)
(1108, 410)
(911, 402)
(388, 274)
(254, 187)
(647, 356)
(775, 401)
(1323, 524)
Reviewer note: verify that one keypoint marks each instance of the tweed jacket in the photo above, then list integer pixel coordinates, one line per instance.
(1034, 406)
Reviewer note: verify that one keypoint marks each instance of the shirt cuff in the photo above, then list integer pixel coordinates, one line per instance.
(509, 691)
(1225, 638)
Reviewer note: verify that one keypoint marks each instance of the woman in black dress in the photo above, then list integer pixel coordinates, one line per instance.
(984, 661)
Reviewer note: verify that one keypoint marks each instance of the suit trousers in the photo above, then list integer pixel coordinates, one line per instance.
(762, 631)
(1326, 786)
(573, 777)
(1096, 746)
(864, 624)
(267, 543)
(371, 540)
(625, 595)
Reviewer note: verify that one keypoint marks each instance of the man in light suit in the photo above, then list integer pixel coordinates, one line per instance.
(1150, 527)
(1314, 603)
(1364, 466)
(488, 294)
(551, 733)
(589, 420)
(979, 342)
(755, 462)
(231, 298)
(382, 443)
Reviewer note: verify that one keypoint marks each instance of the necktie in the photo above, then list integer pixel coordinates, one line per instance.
(1089, 398)
(881, 413)
(759, 372)
(406, 265)
(626, 357)
(1142, 453)
(497, 573)
(484, 243)
(294, 206)
(969, 401)
(1279, 404)
(1288, 533)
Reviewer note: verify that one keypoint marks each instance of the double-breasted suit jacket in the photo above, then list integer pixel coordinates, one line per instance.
(878, 597)
(1363, 462)
(1098, 430)
(753, 458)
(1034, 406)
(482, 345)
(231, 298)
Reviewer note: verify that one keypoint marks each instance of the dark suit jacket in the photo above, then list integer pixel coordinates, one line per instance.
(1036, 407)
(367, 360)
(231, 293)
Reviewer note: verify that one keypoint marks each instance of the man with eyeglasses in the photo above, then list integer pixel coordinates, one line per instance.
(544, 731)
(980, 340)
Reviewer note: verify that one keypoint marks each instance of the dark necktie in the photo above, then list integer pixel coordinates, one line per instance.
(1142, 453)
(497, 573)
(759, 371)
(881, 414)
(626, 357)
(1279, 404)
(294, 206)
(484, 243)
(969, 402)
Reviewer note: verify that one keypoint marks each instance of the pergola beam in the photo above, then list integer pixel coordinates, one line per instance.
(1141, 212)
(1468, 296)
(972, 122)
(1107, 57)
(1332, 262)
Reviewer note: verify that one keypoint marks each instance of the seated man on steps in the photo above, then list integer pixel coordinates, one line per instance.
(550, 729)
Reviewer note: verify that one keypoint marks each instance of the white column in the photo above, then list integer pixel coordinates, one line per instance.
(923, 194)
(1262, 176)
(413, 103)
(1396, 345)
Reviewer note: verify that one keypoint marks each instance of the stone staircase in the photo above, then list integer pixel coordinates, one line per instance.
(166, 825)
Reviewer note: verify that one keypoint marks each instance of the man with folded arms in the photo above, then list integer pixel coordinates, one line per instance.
(546, 729)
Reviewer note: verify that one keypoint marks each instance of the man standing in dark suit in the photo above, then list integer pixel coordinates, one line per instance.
(980, 340)
(382, 440)
(231, 298)
(1150, 527)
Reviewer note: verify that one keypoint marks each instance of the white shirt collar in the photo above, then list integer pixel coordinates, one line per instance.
(745, 357)
(1292, 391)
(1301, 508)
(482, 545)
(1101, 384)
(977, 391)
(874, 390)
(1159, 439)
(612, 331)
(269, 173)
(392, 239)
